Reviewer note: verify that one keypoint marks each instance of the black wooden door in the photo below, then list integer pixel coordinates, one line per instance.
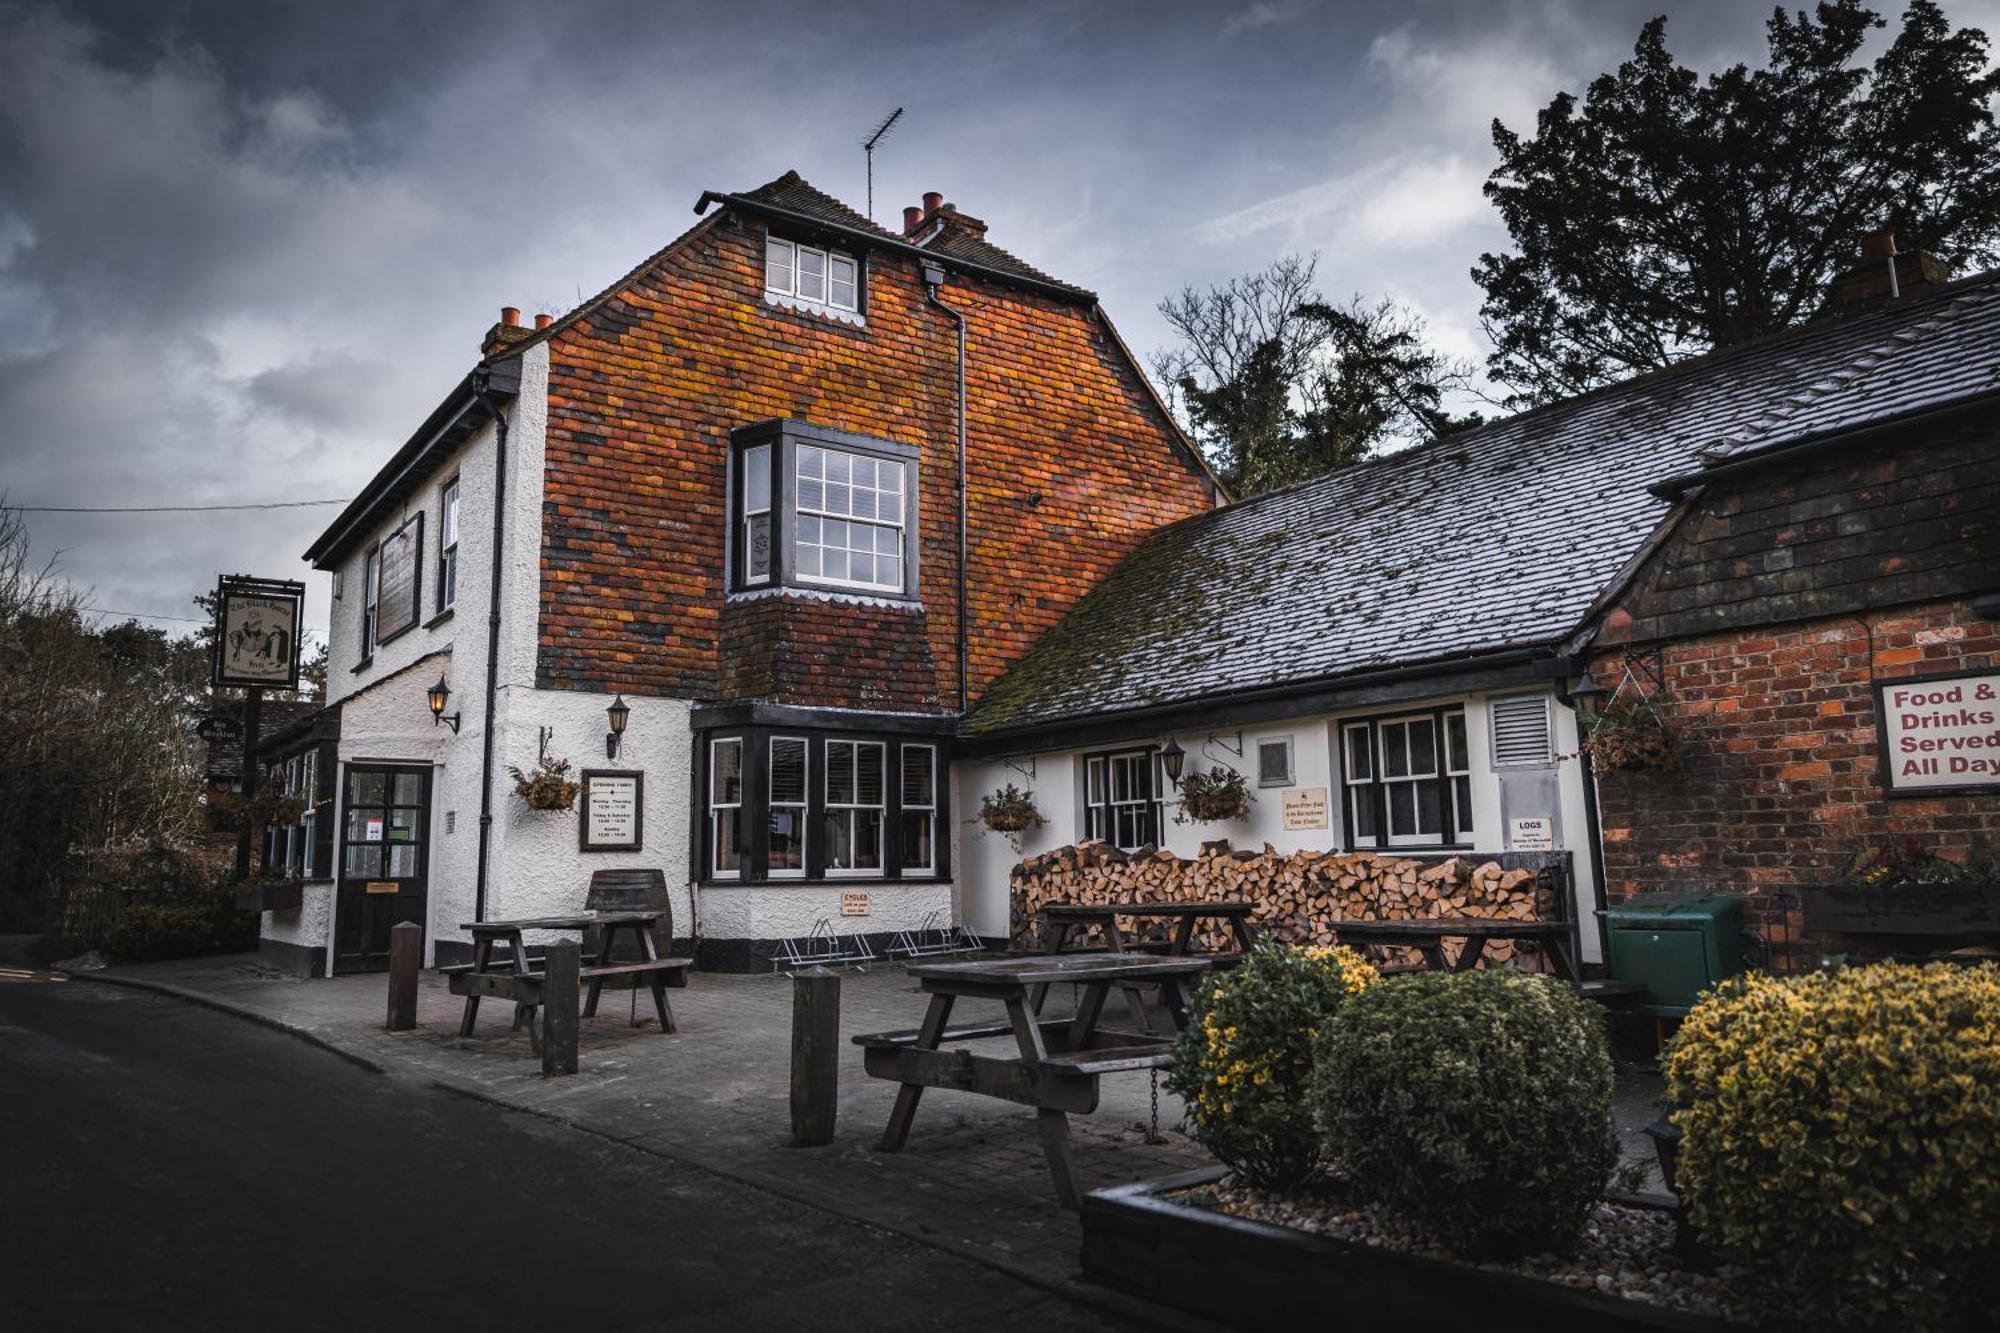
(384, 845)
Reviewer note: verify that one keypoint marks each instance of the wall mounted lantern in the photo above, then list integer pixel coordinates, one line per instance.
(439, 695)
(1171, 759)
(620, 713)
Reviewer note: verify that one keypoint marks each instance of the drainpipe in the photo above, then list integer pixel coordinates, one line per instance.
(934, 279)
(479, 385)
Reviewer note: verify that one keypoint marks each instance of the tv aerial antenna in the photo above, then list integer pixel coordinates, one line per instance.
(875, 136)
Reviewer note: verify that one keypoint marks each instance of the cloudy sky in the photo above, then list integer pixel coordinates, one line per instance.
(244, 249)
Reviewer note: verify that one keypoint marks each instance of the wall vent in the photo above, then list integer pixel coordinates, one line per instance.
(1274, 763)
(1521, 731)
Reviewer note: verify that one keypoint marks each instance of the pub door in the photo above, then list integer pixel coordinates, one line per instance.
(384, 845)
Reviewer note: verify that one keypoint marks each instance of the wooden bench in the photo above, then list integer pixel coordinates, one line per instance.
(635, 890)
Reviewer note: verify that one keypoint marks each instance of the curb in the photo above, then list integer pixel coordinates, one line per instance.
(222, 1006)
(1071, 1289)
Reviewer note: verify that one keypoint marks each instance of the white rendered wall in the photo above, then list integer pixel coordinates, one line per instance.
(986, 859)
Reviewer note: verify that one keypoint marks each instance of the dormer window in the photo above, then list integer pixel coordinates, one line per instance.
(805, 275)
(823, 509)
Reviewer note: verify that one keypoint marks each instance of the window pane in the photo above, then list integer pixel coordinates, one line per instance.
(812, 493)
(839, 466)
(833, 564)
(1462, 811)
(812, 274)
(1430, 809)
(409, 788)
(402, 862)
(1363, 802)
(1395, 752)
(840, 277)
(364, 863)
(1454, 742)
(840, 772)
(757, 479)
(861, 503)
(867, 840)
(1402, 810)
(778, 266)
(916, 848)
(812, 461)
(919, 775)
(367, 788)
(757, 541)
(728, 839)
(1360, 755)
(806, 561)
(1094, 782)
(450, 524)
(788, 842)
(788, 770)
(726, 773)
(839, 833)
(1423, 746)
(868, 782)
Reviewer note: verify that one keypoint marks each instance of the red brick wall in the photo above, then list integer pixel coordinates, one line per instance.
(1070, 464)
(1780, 778)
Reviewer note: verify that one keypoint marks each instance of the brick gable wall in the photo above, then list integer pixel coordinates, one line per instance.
(1070, 463)
(1768, 664)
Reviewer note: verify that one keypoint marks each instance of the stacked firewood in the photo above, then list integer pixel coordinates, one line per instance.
(1297, 896)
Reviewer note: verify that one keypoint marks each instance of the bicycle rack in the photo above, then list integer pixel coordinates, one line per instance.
(822, 948)
(932, 937)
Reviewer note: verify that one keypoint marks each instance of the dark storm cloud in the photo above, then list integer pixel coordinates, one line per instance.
(244, 248)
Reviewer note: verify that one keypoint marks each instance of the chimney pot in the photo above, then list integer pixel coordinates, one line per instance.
(1879, 245)
(543, 321)
(933, 201)
(510, 315)
(913, 217)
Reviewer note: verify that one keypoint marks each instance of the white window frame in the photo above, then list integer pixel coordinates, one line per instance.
(448, 545)
(1356, 788)
(907, 808)
(1104, 809)
(1458, 780)
(784, 269)
(802, 806)
(309, 820)
(715, 807)
(854, 808)
(762, 510)
(823, 514)
(1411, 779)
(371, 571)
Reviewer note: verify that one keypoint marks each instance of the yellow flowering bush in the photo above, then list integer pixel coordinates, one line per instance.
(1841, 1131)
(1475, 1104)
(1243, 1064)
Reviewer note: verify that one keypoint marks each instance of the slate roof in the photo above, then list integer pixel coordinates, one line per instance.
(1500, 537)
(224, 755)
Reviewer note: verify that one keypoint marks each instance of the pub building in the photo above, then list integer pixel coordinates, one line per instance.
(726, 496)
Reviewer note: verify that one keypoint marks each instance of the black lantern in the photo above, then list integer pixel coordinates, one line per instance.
(439, 695)
(1171, 759)
(1586, 694)
(620, 713)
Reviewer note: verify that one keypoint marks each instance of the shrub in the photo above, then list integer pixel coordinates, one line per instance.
(1476, 1104)
(1841, 1132)
(1244, 1062)
(145, 932)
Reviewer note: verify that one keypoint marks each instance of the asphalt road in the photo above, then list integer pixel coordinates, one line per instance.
(163, 1167)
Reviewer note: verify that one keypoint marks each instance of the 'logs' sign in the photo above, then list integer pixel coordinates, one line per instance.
(1940, 735)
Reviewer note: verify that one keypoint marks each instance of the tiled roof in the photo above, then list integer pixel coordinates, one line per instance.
(956, 244)
(1499, 537)
(224, 759)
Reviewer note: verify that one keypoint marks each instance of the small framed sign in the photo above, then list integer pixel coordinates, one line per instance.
(610, 810)
(1531, 833)
(1305, 808)
(257, 633)
(1939, 735)
(854, 902)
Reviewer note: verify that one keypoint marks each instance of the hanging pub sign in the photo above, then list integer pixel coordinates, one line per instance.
(609, 805)
(257, 632)
(399, 583)
(1939, 734)
(219, 727)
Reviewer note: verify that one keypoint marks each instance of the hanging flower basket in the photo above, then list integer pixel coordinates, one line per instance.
(546, 786)
(1010, 810)
(1631, 736)
(1216, 796)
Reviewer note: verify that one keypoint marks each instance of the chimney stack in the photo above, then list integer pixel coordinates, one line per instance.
(933, 201)
(1884, 274)
(510, 315)
(543, 321)
(913, 218)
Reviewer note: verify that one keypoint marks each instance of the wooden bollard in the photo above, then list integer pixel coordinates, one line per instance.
(815, 1056)
(560, 966)
(406, 956)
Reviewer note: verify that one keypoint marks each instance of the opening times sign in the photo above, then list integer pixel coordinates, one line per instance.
(1940, 735)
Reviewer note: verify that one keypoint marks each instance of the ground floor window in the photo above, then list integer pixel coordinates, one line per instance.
(1406, 780)
(785, 804)
(1121, 802)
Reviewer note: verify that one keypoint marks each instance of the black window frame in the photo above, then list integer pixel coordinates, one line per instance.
(1155, 803)
(1451, 836)
(785, 437)
(756, 805)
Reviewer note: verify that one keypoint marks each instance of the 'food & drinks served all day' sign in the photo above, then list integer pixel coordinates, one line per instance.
(1940, 735)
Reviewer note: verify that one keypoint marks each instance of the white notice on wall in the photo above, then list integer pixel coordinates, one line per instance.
(1305, 808)
(1941, 734)
(611, 811)
(1531, 833)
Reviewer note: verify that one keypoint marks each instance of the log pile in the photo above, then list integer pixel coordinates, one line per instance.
(1297, 895)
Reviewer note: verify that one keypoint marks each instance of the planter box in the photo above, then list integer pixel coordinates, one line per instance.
(271, 897)
(1914, 909)
(1256, 1276)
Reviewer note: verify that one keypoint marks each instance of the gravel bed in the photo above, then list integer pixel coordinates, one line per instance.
(1625, 1251)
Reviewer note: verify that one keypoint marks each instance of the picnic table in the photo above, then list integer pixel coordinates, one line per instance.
(1061, 921)
(1428, 937)
(1058, 1061)
(512, 978)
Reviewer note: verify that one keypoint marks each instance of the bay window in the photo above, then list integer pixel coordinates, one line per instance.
(1406, 780)
(787, 805)
(817, 508)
